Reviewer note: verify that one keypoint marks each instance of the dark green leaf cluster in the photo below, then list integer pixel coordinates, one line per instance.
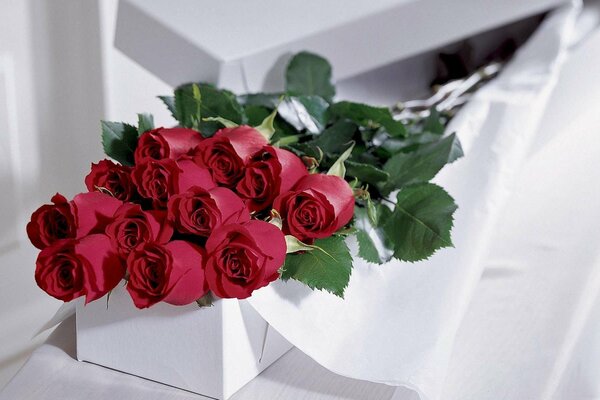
(398, 212)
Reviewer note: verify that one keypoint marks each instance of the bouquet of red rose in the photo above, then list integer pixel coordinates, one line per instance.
(218, 208)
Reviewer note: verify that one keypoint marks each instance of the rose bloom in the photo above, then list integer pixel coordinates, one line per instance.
(132, 226)
(317, 207)
(157, 180)
(271, 171)
(115, 178)
(73, 268)
(226, 153)
(241, 258)
(172, 273)
(166, 143)
(198, 211)
(86, 213)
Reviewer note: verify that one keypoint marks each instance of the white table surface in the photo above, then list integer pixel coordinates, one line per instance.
(53, 373)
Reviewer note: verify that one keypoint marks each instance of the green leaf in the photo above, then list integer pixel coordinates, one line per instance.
(256, 114)
(119, 141)
(366, 247)
(328, 269)
(225, 122)
(293, 245)
(170, 103)
(421, 165)
(266, 127)
(410, 143)
(305, 149)
(434, 122)
(213, 103)
(206, 301)
(338, 168)
(305, 112)
(366, 229)
(331, 139)
(369, 117)
(145, 123)
(309, 74)
(269, 100)
(188, 106)
(421, 222)
(366, 172)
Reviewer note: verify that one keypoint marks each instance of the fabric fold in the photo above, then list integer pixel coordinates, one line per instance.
(398, 321)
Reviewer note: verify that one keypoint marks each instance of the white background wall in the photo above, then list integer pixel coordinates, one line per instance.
(59, 75)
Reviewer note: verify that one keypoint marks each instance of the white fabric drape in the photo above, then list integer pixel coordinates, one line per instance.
(398, 322)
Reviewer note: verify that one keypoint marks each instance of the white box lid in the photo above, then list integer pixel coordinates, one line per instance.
(244, 45)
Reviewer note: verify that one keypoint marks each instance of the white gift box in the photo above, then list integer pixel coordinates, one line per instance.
(244, 45)
(212, 351)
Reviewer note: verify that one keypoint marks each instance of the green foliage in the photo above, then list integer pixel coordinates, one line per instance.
(170, 103)
(335, 136)
(190, 109)
(316, 108)
(119, 141)
(145, 122)
(387, 155)
(369, 117)
(422, 164)
(309, 74)
(434, 123)
(366, 247)
(421, 222)
(327, 268)
(366, 172)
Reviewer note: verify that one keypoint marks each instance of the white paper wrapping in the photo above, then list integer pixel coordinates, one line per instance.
(398, 322)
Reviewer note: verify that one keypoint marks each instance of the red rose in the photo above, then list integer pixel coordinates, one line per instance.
(158, 180)
(172, 273)
(226, 153)
(73, 268)
(166, 143)
(270, 171)
(86, 213)
(52, 222)
(93, 211)
(199, 211)
(241, 258)
(115, 178)
(193, 175)
(317, 207)
(132, 226)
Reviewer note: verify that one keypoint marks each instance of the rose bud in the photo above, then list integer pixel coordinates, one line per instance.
(241, 258)
(166, 143)
(226, 153)
(86, 213)
(73, 268)
(157, 180)
(115, 178)
(132, 226)
(270, 171)
(199, 211)
(317, 207)
(172, 273)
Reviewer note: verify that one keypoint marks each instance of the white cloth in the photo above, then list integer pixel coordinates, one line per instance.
(398, 321)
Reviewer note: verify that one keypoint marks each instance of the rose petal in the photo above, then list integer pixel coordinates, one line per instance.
(187, 276)
(193, 175)
(102, 266)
